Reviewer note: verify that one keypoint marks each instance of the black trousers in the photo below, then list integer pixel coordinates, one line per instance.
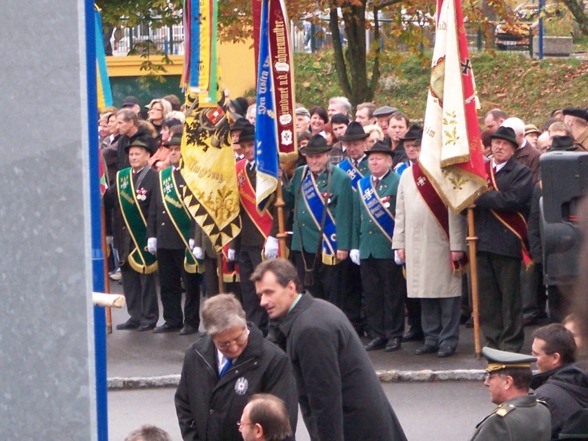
(324, 282)
(171, 275)
(140, 295)
(249, 258)
(383, 283)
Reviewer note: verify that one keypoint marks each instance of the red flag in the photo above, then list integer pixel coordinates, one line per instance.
(451, 154)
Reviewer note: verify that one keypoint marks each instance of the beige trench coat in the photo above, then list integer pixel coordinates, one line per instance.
(428, 260)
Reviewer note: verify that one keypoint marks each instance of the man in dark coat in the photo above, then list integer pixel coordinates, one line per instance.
(500, 215)
(223, 369)
(560, 382)
(339, 393)
(168, 232)
(133, 194)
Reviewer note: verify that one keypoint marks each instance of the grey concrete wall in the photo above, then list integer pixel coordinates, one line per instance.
(46, 327)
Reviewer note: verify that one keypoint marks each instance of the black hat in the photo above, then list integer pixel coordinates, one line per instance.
(354, 132)
(174, 140)
(577, 112)
(240, 104)
(498, 360)
(317, 144)
(239, 124)
(385, 111)
(339, 118)
(562, 143)
(414, 133)
(139, 142)
(507, 134)
(380, 147)
(247, 133)
(129, 101)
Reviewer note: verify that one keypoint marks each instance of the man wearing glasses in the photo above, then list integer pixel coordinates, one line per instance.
(265, 418)
(224, 368)
(519, 416)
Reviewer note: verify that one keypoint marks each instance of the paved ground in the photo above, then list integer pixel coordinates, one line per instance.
(144, 354)
(427, 410)
(440, 411)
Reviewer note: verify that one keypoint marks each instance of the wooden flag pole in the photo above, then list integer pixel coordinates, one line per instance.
(219, 272)
(472, 239)
(280, 204)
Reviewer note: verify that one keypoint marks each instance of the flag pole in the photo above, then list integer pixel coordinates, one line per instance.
(219, 272)
(472, 239)
(106, 280)
(280, 204)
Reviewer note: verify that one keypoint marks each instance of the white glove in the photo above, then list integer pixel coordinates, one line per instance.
(198, 253)
(152, 245)
(354, 256)
(271, 248)
(191, 243)
(397, 259)
(231, 255)
(109, 240)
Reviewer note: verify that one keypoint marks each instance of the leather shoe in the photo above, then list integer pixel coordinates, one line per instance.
(166, 328)
(445, 351)
(376, 343)
(188, 329)
(144, 328)
(394, 344)
(413, 335)
(425, 349)
(127, 326)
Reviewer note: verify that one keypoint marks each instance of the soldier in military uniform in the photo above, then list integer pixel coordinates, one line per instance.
(321, 237)
(519, 416)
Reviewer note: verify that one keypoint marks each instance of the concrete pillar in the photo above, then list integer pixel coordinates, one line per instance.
(47, 380)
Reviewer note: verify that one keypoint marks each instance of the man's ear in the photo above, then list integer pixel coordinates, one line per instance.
(258, 430)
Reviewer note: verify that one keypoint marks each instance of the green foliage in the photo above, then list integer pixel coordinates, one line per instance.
(525, 87)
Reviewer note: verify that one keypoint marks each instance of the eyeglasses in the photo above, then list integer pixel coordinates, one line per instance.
(239, 424)
(238, 341)
(489, 375)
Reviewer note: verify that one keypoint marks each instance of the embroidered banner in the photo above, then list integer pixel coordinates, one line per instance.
(451, 153)
(262, 219)
(275, 131)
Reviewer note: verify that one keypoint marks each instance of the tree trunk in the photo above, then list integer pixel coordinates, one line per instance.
(577, 9)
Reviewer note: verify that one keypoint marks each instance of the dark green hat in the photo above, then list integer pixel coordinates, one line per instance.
(354, 132)
(175, 140)
(380, 147)
(138, 142)
(507, 134)
(239, 124)
(316, 145)
(577, 112)
(247, 133)
(498, 360)
(414, 133)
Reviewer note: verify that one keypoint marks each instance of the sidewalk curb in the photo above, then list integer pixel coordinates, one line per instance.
(392, 376)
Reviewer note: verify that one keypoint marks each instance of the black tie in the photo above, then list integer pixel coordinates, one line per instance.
(252, 167)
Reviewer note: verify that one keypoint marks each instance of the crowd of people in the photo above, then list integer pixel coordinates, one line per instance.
(373, 250)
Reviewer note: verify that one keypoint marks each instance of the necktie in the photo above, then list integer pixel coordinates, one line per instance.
(226, 367)
(355, 162)
(252, 167)
(376, 182)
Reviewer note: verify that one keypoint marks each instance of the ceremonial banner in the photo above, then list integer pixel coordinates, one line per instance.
(275, 131)
(210, 194)
(451, 153)
(102, 79)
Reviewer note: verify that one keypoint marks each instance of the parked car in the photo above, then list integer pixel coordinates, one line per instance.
(516, 34)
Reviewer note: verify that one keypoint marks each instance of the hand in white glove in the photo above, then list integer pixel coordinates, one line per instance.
(109, 240)
(398, 259)
(354, 256)
(152, 245)
(191, 243)
(231, 255)
(198, 253)
(271, 248)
